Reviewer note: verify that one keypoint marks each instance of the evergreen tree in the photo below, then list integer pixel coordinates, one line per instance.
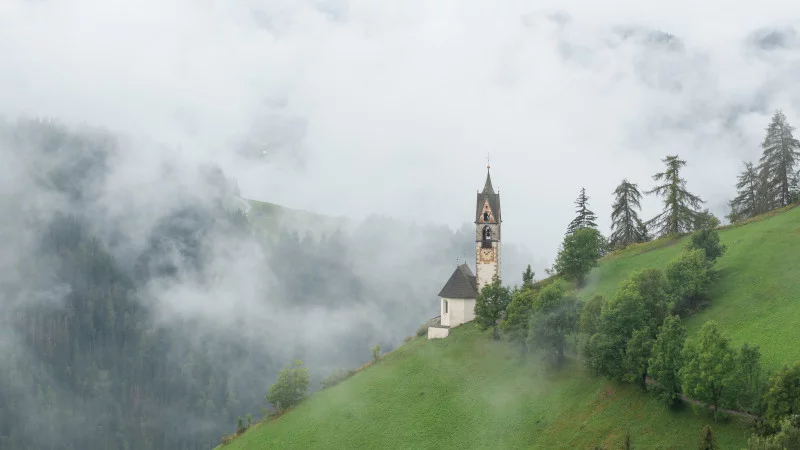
(626, 226)
(585, 218)
(527, 278)
(680, 206)
(781, 154)
(747, 203)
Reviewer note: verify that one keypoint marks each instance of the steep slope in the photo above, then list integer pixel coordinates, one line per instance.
(270, 217)
(757, 297)
(467, 391)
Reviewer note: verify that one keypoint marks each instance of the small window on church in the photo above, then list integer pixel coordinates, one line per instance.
(486, 217)
(445, 306)
(487, 233)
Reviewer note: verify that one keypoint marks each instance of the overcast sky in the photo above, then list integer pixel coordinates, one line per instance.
(362, 107)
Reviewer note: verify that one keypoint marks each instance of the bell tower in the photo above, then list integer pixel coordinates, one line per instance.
(487, 234)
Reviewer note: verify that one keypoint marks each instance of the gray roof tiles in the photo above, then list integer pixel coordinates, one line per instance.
(461, 285)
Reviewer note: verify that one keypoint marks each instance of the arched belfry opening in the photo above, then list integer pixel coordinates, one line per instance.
(487, 237)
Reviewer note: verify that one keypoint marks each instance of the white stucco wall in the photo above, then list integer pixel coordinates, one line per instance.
(438, 333)
(458, 311)
(485, 273)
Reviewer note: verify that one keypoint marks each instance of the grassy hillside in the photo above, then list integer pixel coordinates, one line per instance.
(756, 299)
(271, 217)
(467, 391)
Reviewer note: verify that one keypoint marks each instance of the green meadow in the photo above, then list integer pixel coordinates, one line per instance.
(467, 391)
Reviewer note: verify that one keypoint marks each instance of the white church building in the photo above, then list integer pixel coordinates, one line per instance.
(458, 295)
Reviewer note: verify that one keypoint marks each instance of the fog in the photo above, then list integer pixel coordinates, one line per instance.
(394, 107)
(381, 114)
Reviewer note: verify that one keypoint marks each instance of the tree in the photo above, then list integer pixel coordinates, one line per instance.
(637, 355)
(788, 436)
(707, 239)
(579, 254)
(680, 206)
(689, 279)
(518, 316)
(751, 384)
(707, 439)
(783, 396)
(490, 305)
(709, 364)
(621, 315)
(652, 287)
(291, 387)
(626, 227)
(585, 218)
(747, 203)
(666, 360)
(552, 319)
(781, 154)
(590, 314)
(527, 278)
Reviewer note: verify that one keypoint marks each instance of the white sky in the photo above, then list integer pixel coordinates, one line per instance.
(390, 107)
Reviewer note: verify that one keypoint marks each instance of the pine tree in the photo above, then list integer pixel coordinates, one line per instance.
(747, 203)
(781, 154)
(527, 278)
(586, 218)
(626, 226)
(680, 206)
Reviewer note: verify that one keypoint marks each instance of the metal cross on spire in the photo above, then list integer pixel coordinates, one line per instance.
(487, 161)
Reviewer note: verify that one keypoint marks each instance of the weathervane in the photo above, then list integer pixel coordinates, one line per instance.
(487, 161)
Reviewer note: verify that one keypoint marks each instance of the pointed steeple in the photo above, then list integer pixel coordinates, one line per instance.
(487, 188)
(488, 195)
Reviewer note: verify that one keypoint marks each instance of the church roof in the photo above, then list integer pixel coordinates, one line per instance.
(493, 198)
(462, 284)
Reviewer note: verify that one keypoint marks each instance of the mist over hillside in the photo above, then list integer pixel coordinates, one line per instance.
(141, 309)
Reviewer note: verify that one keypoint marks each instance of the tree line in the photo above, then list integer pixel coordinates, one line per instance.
(637, 334)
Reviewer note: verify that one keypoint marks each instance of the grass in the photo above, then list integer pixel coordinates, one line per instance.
(271, 218)
(467, 391)
(757, 297)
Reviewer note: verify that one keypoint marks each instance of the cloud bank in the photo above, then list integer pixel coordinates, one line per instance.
(353, 108)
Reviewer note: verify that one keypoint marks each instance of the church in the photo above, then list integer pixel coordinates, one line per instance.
(457, 297)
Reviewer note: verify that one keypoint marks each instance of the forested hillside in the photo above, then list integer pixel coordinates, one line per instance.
(142, 310)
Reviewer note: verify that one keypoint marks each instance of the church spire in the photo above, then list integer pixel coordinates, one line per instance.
(487, 188)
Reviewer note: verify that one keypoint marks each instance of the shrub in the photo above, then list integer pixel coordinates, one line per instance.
(707, 439)
(376, 353)
(787, 437)
(228, 438)
(708, 240)
(422, 330)
(291, 387)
